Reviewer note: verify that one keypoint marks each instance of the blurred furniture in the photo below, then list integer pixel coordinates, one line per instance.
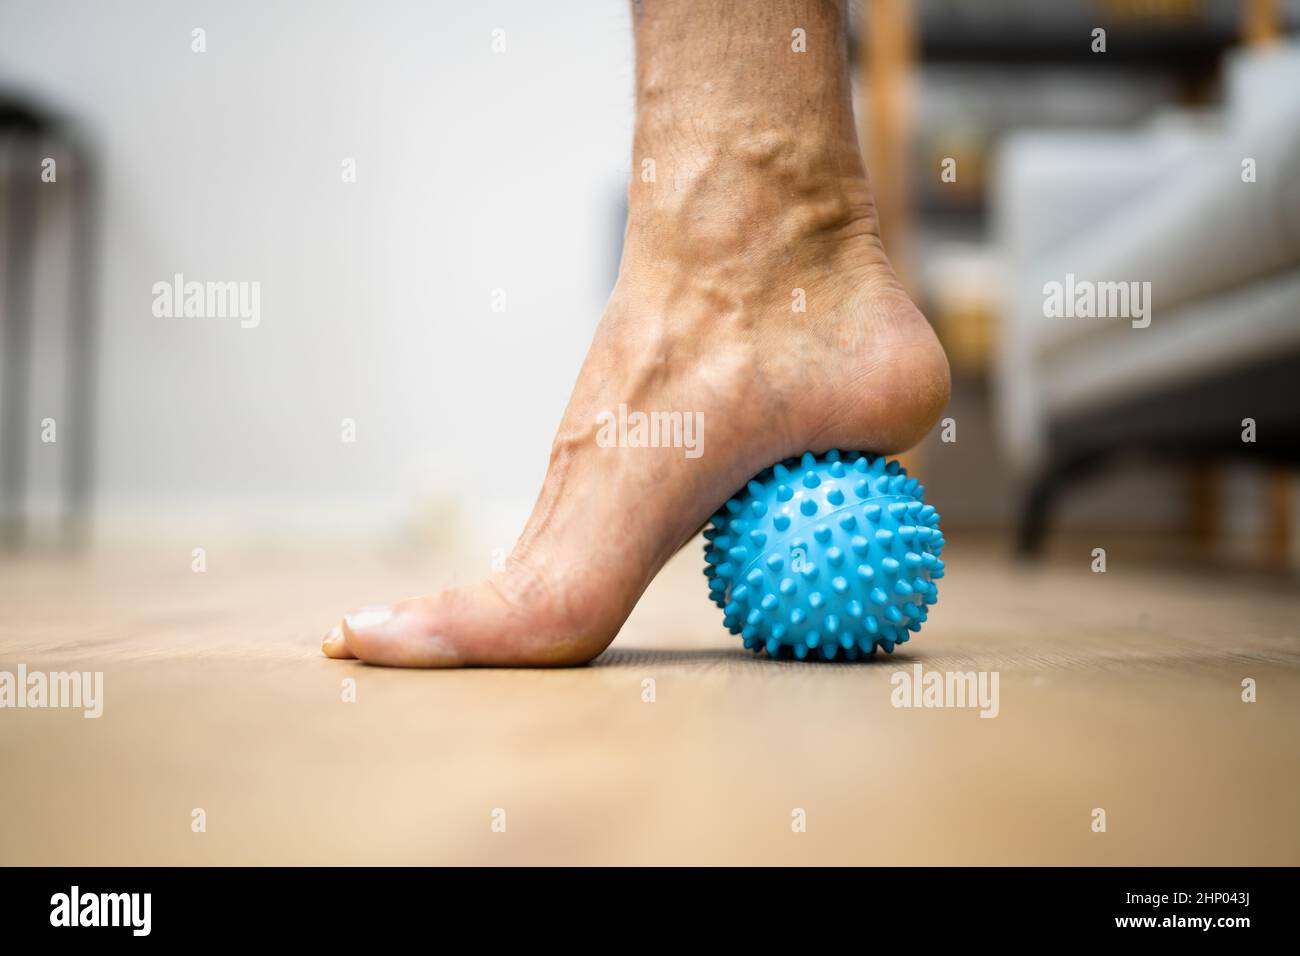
(1166, 204)
(943, 81)
(27, 136)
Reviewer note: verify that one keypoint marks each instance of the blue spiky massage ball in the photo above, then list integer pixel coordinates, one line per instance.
(836, 554)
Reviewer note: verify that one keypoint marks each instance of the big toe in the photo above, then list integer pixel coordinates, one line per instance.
(465, 626)
(414, 633)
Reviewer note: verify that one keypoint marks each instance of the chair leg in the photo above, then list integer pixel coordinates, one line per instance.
(1036, 514)
(1032, 528)
(15, 429)
(82, 355)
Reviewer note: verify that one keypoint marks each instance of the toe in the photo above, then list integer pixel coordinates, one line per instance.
(334, 645)
(467, 626)
(398, 635)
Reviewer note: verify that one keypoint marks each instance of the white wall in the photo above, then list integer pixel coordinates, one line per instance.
(476, 170)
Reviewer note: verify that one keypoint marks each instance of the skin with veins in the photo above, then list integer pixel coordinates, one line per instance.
(759, 191)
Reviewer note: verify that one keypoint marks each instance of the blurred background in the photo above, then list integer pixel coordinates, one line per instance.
(1165, 150)
(431, 198)
(420, 326)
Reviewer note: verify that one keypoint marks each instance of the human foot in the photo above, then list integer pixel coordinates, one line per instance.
(697, 335)
(754, 297)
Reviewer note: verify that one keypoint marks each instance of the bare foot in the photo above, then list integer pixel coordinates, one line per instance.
(750, 208)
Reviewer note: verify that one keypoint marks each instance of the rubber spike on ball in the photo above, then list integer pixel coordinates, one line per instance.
(833, 553)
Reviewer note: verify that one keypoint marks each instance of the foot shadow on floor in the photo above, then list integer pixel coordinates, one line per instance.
(736, 656)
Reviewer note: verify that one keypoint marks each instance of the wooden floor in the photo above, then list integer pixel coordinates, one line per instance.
(1119, 691)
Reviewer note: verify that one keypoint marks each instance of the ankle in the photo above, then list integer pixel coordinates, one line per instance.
(760, 198)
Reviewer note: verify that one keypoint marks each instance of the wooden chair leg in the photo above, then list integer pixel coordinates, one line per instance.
(1280, 533)
(1204, 486)
(888, 46)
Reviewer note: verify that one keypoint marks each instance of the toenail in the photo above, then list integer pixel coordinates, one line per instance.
(368, 617)
(332, 636)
